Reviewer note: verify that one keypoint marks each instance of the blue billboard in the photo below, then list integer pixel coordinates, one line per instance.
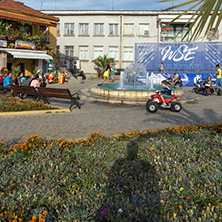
(192, 60)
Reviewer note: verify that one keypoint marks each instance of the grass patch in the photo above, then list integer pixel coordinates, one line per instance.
(14, 105)
(171, 174)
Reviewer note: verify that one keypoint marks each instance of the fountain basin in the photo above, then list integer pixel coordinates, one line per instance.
(110, 93)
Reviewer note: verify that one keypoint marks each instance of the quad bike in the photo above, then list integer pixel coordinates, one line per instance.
(177, 82)
(206, 89)
(155, 102)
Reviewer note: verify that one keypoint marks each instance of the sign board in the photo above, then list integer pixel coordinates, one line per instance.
(193, 59)
(19, 44)
(3, 43)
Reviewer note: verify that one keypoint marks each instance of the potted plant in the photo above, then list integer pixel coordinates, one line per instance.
(12, 45)
(15, 70)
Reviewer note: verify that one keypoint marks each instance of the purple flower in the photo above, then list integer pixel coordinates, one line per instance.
(104, 211)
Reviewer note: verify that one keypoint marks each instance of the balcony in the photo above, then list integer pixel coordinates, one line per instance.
(15, 36)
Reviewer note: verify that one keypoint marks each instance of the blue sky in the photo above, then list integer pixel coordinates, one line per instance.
(99, 4)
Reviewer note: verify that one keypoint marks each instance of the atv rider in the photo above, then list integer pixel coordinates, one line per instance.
(176, 76)
(208, 82)
(158, 92)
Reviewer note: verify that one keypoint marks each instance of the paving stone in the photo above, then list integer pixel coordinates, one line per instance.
(107, 118)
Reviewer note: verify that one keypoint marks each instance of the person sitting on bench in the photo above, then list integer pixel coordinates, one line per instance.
(8, 82)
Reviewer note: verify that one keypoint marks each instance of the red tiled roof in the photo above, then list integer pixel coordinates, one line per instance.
(14, 6)
(21, 18)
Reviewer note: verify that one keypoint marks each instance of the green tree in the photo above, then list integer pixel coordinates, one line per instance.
(102, 62)
(205, 9)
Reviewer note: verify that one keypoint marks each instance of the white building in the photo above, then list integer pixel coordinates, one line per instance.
(88, 34)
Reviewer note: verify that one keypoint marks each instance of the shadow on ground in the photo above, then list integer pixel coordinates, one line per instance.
(132, 190)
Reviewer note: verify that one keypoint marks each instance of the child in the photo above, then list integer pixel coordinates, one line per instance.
(158, 92)
(208, 81)
(162, 70)
(106, 74)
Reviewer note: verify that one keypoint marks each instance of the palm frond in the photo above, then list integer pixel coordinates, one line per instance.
(206, 15)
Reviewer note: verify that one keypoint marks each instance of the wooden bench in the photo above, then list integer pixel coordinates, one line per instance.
(2, 89)
(25, 90)
(59, 93)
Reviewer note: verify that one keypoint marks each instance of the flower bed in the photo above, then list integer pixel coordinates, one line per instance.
(172, 174)
(14, 105)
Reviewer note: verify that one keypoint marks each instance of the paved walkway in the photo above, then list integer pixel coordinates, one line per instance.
(109, 119)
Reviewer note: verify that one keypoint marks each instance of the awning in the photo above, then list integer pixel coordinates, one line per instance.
(29, 55)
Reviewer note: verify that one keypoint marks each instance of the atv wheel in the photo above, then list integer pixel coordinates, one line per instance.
(178, 84)
(151, 107)
(206, 92)
(195, 90)
(219, 92)
(176, 107)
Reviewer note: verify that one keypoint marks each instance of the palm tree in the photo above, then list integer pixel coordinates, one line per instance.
(205, 9)
(102, 62)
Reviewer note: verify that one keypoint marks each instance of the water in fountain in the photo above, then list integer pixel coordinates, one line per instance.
(122, 80)
(147, 79)
(151, 81)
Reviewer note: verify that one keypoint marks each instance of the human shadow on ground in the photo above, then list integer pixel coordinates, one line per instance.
(132, 189)
(185, 116)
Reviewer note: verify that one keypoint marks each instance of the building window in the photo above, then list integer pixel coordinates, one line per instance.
(98, 51)
(84, 29)
(113, 52)
(128, 53)
(58, 49)
(83, 52)
(113, 29)
(174, 33)
(128, 29)
(144, 29)
(69, 28)
(58, 29)
(98, 29)
(69, 51)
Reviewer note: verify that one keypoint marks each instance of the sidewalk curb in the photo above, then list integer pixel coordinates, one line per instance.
(31, 112)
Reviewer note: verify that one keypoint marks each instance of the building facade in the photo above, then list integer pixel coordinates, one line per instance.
(89, 34)
(27, 37)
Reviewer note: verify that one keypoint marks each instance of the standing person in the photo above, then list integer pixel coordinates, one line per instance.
(106, 74)
(98, 69)
(112, 71)
(162, 69)
(8, 82)
(218, 75)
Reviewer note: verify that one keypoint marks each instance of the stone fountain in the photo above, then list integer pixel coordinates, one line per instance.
(128, 90)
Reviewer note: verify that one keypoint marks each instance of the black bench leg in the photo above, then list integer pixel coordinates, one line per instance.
(74, 102)
(45, 99)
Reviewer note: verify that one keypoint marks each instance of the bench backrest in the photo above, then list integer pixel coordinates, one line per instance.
(53, 92)
(29, 90)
